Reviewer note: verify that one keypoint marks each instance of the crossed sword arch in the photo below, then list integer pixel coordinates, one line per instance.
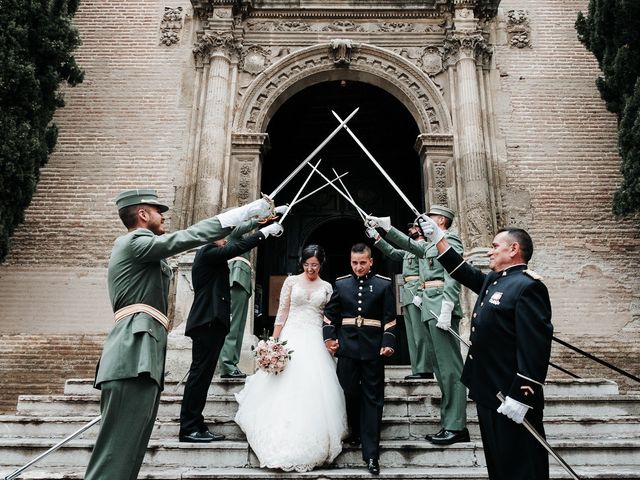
(297, 199)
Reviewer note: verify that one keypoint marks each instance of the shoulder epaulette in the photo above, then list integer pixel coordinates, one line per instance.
(533, 274)
(382, 276)
(343, 277)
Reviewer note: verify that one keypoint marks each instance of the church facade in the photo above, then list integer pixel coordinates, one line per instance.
(488, 107)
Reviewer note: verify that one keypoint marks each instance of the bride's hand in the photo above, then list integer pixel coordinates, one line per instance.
(386, 351)
(332, 346)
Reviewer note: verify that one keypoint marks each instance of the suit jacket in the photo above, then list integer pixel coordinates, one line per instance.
(430, 270)
(138, 273)
(210, 277)
(371, 297)
(511, 333)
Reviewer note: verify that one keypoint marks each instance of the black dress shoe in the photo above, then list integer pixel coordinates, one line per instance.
(429, 437)
(234, 374)
(201, 437)
(352, 440)
(448, 437)
(373, 466)
(419, 376)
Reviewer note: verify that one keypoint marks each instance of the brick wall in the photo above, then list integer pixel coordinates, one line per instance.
(560, 169)
(40, 364)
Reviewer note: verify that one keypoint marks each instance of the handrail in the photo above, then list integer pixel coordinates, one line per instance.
(596, 359)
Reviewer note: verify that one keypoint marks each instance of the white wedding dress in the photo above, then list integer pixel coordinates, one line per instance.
(297, 419)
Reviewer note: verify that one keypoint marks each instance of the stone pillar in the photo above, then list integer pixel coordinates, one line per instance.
(464, 46)
(438, 169)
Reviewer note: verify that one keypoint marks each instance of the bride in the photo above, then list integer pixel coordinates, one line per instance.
(297, 419)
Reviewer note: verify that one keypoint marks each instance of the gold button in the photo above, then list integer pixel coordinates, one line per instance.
(481, 303)
(473, 329)
(475, 315)
(470, 357)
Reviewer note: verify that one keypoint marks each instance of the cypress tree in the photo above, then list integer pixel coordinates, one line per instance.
(611, 31)
(37, 39)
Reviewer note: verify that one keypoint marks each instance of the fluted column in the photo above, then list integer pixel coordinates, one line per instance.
(464, 47)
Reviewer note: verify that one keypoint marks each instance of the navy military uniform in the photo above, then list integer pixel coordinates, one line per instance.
(361, 315)
(510, 341)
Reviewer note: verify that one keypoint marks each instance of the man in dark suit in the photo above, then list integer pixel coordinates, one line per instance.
(208, 325)
(360, 329)
(510, 341)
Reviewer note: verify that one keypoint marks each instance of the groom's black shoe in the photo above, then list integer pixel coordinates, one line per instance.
(420, 376)
(373, 466)
(201, 437)
(235, 374)
(449, 437)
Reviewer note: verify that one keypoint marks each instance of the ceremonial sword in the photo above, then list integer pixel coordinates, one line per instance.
(304, 184)
(541, 440)
(318, 189)
(329, 182)
(347, 191)
(375, 162)
(313, 154)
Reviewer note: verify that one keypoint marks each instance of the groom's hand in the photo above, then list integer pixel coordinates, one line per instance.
(386, 351)
(332, 346)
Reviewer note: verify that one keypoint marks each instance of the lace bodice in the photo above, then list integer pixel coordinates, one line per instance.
(302, 301)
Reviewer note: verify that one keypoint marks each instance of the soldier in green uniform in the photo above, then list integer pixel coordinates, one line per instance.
(440, 311)
(410, 301)
(241, 284)
(130, 373)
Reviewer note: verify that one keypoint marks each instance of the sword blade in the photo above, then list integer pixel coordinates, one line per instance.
(313, 154)
(329, 182)
(318, 189)
(346, 191)
(542, 441)
(304, 184)
(375, 162)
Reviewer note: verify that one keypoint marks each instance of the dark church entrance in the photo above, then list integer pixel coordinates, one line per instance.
(388, 131)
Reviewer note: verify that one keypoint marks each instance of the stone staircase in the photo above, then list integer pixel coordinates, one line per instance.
(593, 427)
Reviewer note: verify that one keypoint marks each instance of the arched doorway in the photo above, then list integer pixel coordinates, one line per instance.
(389, 132)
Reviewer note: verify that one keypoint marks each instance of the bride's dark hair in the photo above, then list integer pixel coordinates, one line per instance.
(312, 250)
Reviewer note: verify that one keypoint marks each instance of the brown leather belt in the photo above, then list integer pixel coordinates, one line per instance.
(433, 284)
(412, 278)
(144, 308)
(361, 321)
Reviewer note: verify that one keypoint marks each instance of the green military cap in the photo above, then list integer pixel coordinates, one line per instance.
(441, 210)
(139, 196)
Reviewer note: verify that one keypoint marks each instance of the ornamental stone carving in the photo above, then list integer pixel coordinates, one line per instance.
(255, 59)
(518, 29)
(396, 27)
(340, 49)
(170, 26)
(461, 45)
(342, 26)
(214, 42)
(431, 60)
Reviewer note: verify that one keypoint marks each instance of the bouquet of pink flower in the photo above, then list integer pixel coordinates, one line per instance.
(272, 355)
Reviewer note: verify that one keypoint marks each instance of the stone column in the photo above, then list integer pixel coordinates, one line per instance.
(438, 169)
(464, 46)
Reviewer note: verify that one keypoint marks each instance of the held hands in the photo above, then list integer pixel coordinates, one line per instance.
(387, 351)
(379, 222)
(372, 233)
(332, 346)
(513, 409)
(430, 228)
(274, 229)
(444, 319)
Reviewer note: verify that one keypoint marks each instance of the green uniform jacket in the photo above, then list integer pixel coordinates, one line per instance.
(240, 272)
(410, 267)
(138, 273)
(430, 269)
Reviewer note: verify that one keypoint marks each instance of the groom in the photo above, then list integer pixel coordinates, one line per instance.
(359, 328)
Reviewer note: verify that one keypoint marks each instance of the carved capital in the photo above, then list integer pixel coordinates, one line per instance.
(465, 45)
(217, 42)
(340, 50)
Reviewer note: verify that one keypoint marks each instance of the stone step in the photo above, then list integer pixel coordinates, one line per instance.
(404, 453)
(393, 386)
(396, 406)
(618, 472)
(393, 428)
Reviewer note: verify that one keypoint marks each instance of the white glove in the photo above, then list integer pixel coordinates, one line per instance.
(372, 233)
(260, 208)
(444, 320)
(430, 229)
(275, 230)
(281, 210)
(379, 222)
(513, 409)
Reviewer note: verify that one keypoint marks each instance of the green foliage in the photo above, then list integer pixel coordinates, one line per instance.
(611, 31)
(37, 39)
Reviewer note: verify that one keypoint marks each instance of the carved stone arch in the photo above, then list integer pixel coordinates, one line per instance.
(368, 63)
